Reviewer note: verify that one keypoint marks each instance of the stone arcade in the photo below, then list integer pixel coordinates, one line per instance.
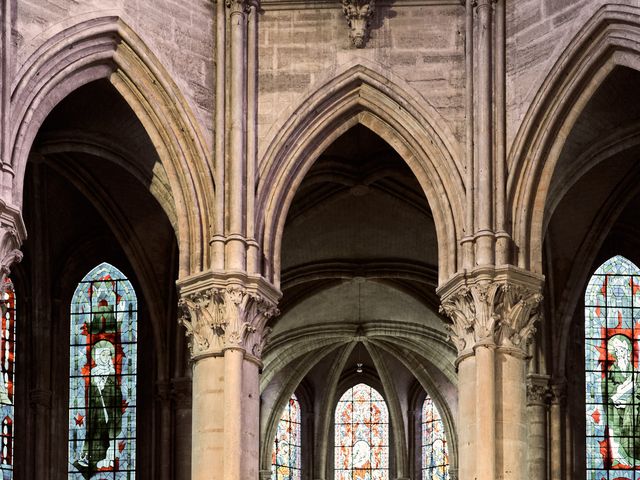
(278, 203)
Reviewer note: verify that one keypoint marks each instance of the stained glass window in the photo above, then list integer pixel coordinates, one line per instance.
(612, 333)
(435, 454)
(7, 359)
(285, 457)
(361, 435)
(102, 377)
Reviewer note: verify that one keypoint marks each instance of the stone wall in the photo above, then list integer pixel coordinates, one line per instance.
(423, 45)
(179, 33)
(537, 33)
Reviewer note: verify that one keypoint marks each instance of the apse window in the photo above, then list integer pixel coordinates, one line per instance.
(102, 377)
(361, 435)
(435, 454)
(7, 358)
(612, 333)
(286, 454)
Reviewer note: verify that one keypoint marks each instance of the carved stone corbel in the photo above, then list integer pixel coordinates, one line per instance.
(12, 234)
(222, 318)
(358, 14)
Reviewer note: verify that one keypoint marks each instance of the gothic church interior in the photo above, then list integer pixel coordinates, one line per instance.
(320, 240)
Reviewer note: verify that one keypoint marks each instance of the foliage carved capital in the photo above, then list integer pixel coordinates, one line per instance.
(359, 14)
(238, 6)
(538, 390)
(219, 318)
(491, 307)
(12, 234)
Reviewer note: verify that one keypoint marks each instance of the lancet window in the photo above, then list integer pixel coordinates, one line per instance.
(361, 435)
(612, 336)
(435, 454)
(7, 360)
(286, 454)
(102, 377)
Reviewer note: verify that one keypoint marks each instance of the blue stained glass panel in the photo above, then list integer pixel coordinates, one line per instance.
(612, 384)
(102, 377)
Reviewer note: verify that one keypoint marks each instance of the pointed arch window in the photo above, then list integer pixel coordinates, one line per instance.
(435, 453)
(612, 381)
(102, 377)
(361, 435)
(7, 360)
(286, 454)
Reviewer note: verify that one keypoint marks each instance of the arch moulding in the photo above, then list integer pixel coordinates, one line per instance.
(361, 94)
(609, 39)
(81, 50)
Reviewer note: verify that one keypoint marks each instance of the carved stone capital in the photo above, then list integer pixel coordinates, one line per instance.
(538, 390)
(12, 234)
(491, 307)
(558, 391)
(238, 6)
(359, 14)
(181, 391)
(224, 315)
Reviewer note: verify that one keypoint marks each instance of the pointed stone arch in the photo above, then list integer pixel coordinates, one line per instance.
(608, 40)
(362, 94)
(83, 50)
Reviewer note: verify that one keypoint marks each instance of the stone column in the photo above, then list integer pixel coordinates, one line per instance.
(163, 402)
(493, 311)
(181, 392)
(225, 320)
(40, 401)
(537, 406)
(558, 394)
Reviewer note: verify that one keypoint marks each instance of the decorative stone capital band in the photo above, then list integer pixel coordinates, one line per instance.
(492, 307)
(227, 314)
(12, 234)
(538, 390)
(239, 6)
(359, 14)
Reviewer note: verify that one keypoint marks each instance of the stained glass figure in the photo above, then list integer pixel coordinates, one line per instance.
(435, 454)
(361, 435)
(612, 334)
(285, 457)
(7, 369)
(102, 377)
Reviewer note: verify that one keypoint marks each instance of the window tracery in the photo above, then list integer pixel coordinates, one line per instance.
(102, 377)
(435, 453)
(361, 435)
(612, 396)
(286, 454)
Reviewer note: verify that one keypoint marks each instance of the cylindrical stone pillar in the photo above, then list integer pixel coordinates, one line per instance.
(467, 421)
(537, 427)
(485, 446)
(511, 420)
(208, 444)
(233, 457)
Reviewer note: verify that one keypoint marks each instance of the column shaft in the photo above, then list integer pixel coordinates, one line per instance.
(467, 418)
(511, 421)
(208, 442)
(485, 413)
(233, 458)
(236, 165)
(484, 127)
